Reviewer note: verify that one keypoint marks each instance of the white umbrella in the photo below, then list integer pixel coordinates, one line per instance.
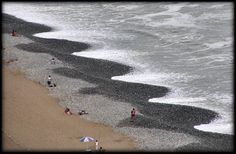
(86, 139)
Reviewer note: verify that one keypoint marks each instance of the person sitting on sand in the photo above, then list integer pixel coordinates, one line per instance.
(49, 81)
(53, 61)
(101, 149)
(83, 112)
(67, 111)
(50, 84)
(132, 114)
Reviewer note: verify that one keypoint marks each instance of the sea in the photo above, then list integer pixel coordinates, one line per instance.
(185, 46)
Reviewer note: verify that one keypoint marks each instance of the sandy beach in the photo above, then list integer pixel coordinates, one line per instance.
(33, 114)
(32, 120)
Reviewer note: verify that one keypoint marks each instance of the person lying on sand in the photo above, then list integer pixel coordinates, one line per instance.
(82, 112)
(11, 60)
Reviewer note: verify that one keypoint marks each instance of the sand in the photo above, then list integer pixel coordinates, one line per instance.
(33, 120)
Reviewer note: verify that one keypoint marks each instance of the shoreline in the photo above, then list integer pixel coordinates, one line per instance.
(170, 118)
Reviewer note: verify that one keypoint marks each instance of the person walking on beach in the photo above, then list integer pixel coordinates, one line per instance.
(13, 33)
(96, 145)
(132, 114)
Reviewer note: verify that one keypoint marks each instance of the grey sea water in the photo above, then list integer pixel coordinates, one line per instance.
(186, 47)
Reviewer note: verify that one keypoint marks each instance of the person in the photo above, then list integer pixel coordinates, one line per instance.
(96, 144)
(13, 33)
(67, 111)
(101, 149)
(53, 61)
(83, 112)
(50, 84)
(49, 81)
(132, 114)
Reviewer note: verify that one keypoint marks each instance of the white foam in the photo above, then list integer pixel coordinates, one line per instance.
(73, 35)
(222, 124)
(145, 78)
(220, 44)
(63, 25)
(179, 101)
(218, 126)
(146, 75)
(178, 96)
(120, 56)
(29, 12)
(102, 54)
(222, 128)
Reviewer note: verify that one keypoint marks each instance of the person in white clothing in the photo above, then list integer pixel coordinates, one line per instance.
(96, 144)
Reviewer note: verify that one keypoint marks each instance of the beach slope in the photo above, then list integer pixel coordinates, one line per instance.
(32, 120)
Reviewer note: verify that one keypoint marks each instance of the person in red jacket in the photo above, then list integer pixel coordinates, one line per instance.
(133, 114)
(13, 33)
